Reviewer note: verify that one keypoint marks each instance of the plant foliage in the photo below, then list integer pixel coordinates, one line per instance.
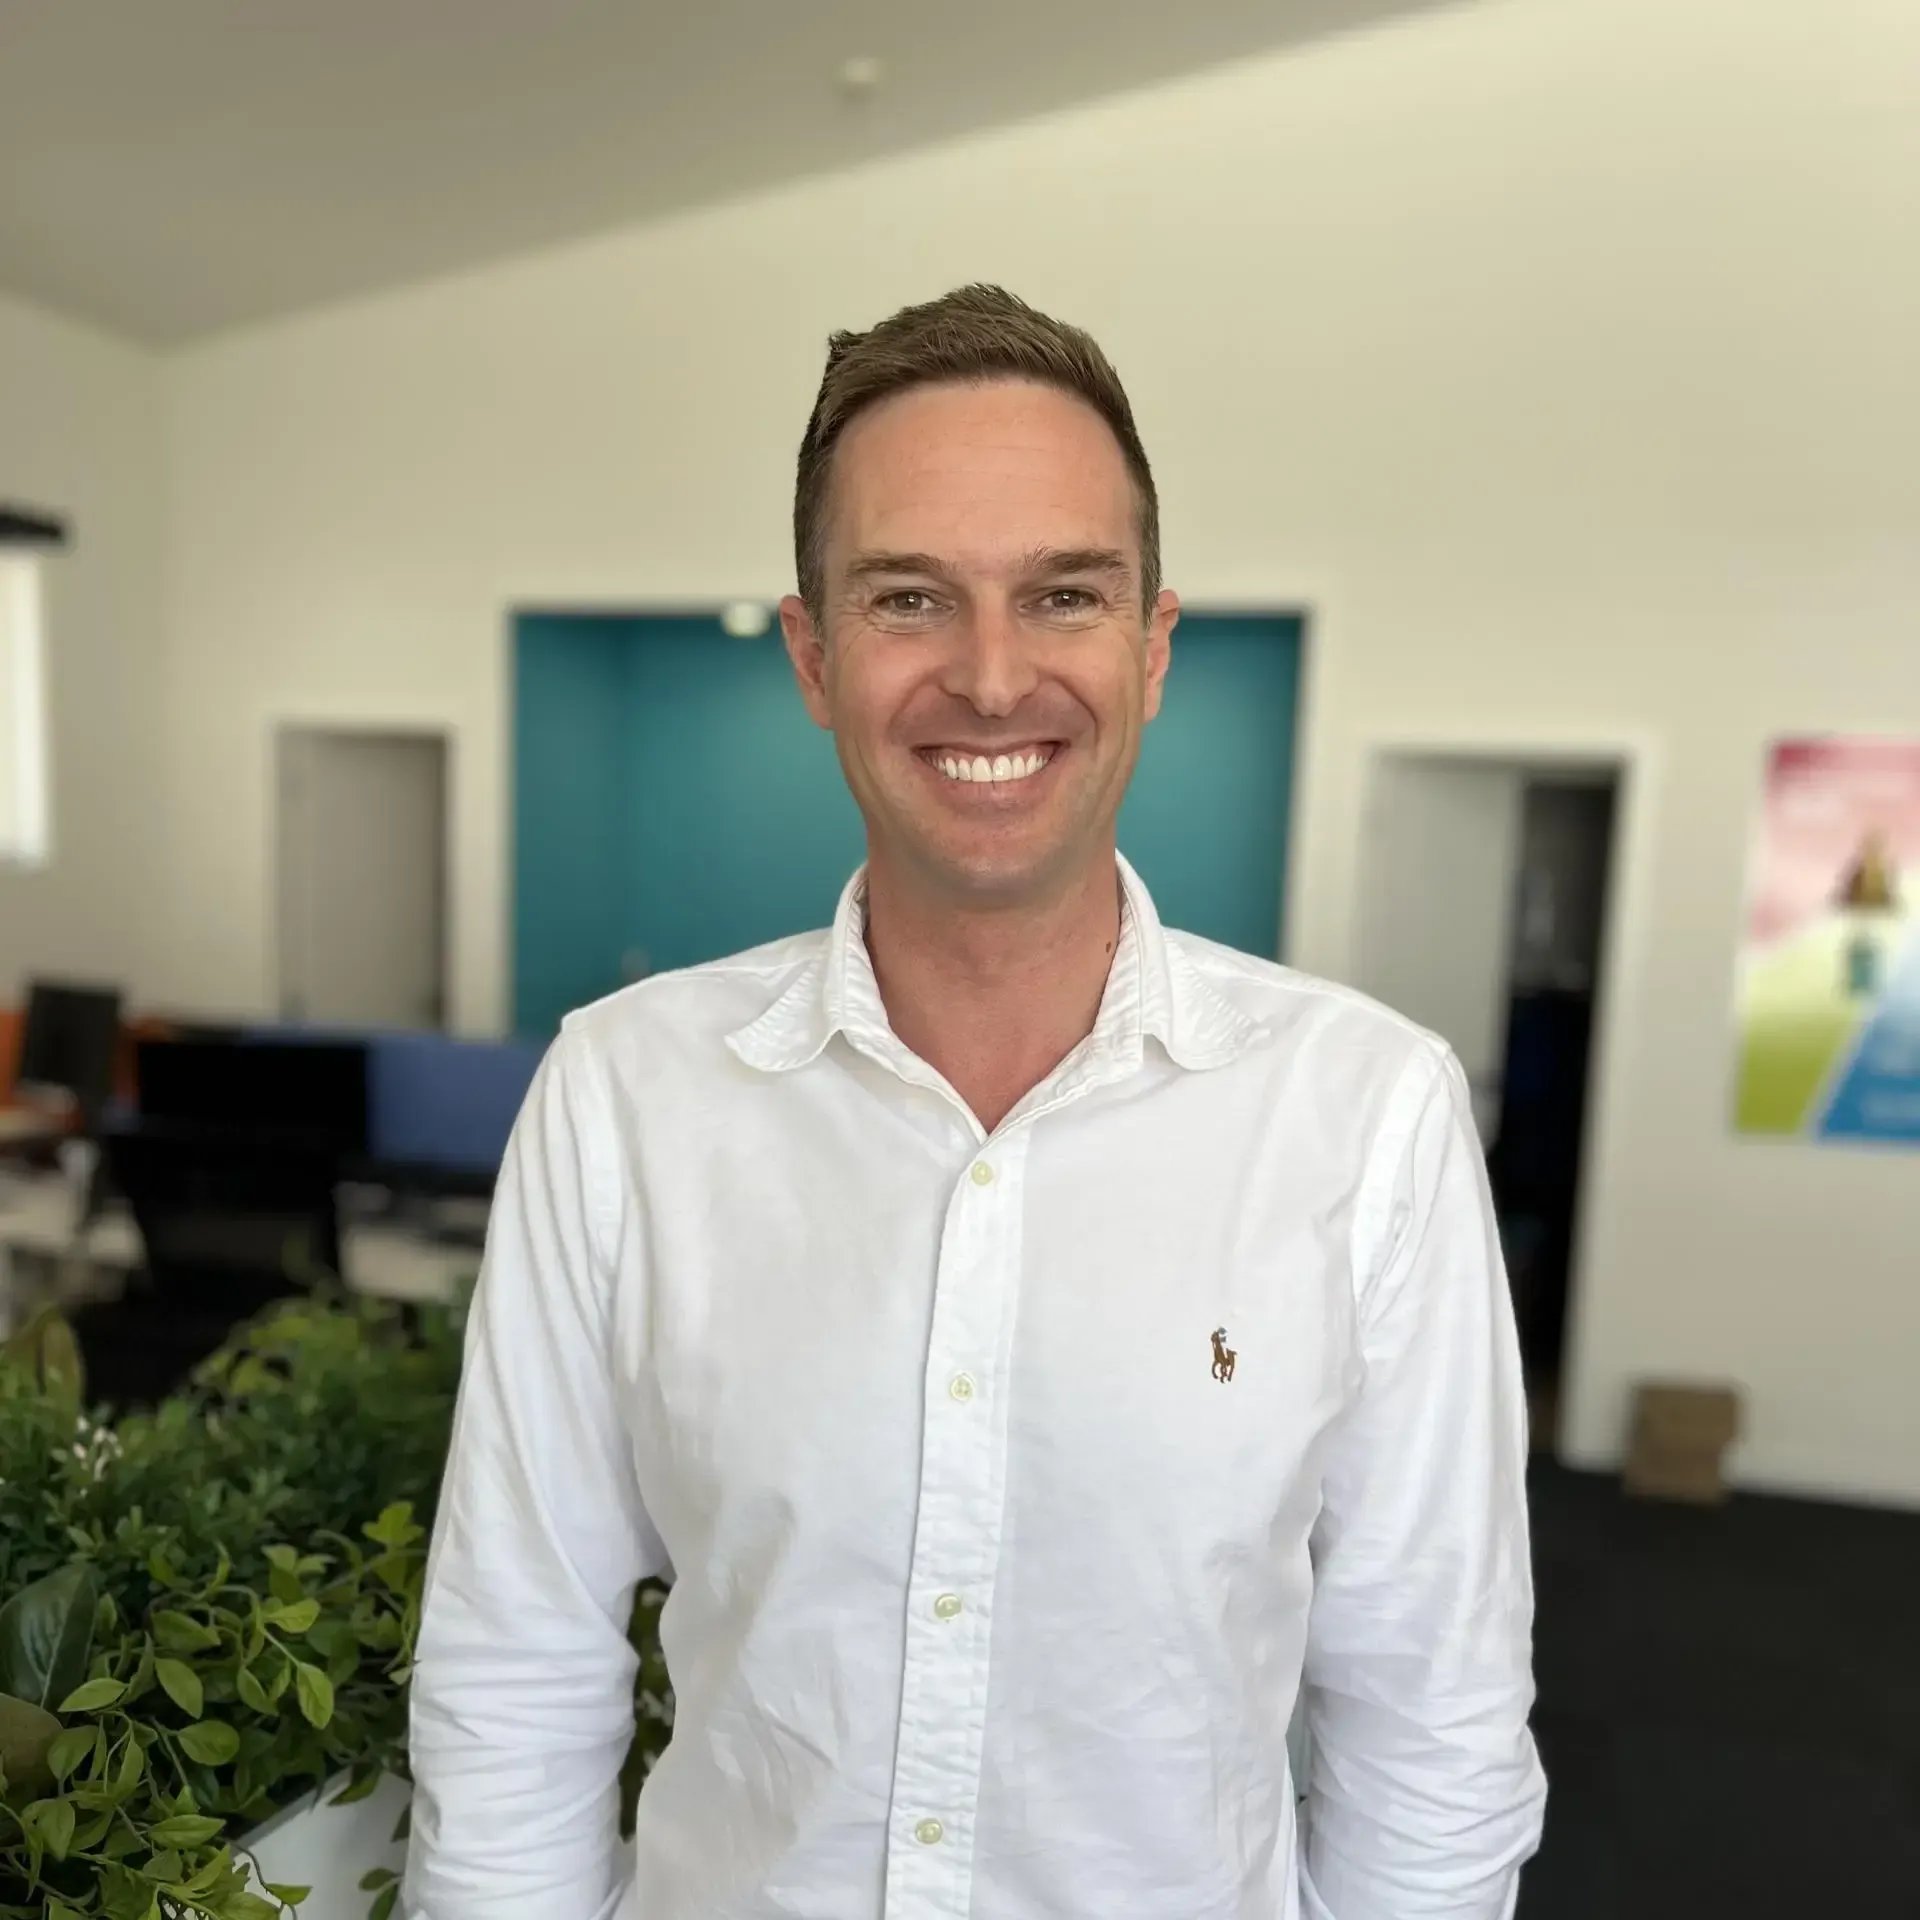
(208, 1612)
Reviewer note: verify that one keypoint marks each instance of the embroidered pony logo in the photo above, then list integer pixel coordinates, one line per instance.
(1223, 1356)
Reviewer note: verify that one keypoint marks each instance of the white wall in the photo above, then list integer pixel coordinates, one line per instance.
(1562, 352)
(80, 437)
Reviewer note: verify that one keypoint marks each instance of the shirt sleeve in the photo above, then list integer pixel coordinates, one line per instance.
(522, 1704)
(1424, 1791)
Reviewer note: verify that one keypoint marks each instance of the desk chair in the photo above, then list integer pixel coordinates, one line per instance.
(230, 1225)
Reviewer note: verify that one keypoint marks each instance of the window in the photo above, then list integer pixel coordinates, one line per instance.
(23, 710)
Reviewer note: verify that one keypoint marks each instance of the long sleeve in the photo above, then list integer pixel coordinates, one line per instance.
(1425, 1794)
(522, 1694)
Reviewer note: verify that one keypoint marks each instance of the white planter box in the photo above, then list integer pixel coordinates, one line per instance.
(328, 1848)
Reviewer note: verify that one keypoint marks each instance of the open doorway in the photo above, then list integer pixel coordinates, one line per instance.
(360, 841)
(1484, 898)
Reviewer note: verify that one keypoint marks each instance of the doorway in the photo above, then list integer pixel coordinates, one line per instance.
(360, 837)
(1485, 889)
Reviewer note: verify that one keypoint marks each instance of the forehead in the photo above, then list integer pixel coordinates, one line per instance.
(1007, 465)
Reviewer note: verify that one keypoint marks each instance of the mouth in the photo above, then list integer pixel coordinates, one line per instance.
(1001, 769)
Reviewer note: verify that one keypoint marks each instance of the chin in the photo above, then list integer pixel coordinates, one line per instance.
(998, 875)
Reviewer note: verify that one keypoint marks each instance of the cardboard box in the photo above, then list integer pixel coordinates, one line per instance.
(1679, 1441)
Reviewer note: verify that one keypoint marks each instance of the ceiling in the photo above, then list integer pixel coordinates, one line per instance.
(174, 167)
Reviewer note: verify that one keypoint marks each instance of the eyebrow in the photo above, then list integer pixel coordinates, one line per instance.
(1107, 560)
(866, 566)
(1041, 560)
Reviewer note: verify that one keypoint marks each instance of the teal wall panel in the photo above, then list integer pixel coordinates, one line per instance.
(740, 828)
(570, 815)
(1205, 820)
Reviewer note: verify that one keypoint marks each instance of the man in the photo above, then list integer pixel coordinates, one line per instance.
(1038, 1345)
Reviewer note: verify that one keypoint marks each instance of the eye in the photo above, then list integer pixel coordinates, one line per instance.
(1069, 600)
(905, 603)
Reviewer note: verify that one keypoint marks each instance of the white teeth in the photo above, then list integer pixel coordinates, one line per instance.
(1004, 766)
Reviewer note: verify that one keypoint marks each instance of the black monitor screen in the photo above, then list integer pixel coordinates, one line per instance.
(304, 1090)
(68, 1041)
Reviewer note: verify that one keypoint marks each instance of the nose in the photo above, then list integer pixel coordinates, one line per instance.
(990, 665)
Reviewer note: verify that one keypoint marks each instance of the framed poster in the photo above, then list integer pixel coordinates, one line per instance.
(1829, 983)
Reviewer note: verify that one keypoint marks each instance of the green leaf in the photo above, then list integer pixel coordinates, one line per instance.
(93, 1696)
(142, 1674)
(360, 1787)
(51, 1823)
(184, 1830)
(315, 1693)
(182, 1633)
(133, 1763)
(282, 1555)
(294, 1618)
(247, 1683)
(45, 1632)
(182, 1685)
(395, 1527)
(92, 1831)
(46, 1349)
(378, 1878)
(70, 1749)
(212, 1742)
(384, 1906)
(244, 1906)
(286, 1895)
(164, 1866)
(27, 1735)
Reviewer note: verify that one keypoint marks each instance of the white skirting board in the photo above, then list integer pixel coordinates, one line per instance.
(312, 1844)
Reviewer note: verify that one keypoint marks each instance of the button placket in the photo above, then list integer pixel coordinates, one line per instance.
(956, 1543)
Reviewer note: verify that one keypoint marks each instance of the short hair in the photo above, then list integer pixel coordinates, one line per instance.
(968, 337)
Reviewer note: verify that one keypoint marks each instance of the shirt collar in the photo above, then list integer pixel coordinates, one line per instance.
(1154, 991)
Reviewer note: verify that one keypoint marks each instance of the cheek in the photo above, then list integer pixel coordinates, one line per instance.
(870, 695)
(1112, 687)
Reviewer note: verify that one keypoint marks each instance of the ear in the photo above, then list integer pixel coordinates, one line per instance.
(807, 649)
(1160, 626)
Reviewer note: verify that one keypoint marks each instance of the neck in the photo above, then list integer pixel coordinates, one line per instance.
(992, 997)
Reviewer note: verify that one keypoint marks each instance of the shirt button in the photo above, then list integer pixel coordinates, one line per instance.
(982, 1174)
(929, 1833)
(947, 1606)
(961, 1386)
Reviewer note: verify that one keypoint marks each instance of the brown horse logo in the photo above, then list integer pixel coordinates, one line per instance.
(1223, 1356)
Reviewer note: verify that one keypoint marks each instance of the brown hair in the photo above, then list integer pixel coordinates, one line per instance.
(972, 335)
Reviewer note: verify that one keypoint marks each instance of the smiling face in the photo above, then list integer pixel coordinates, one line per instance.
(983, 659)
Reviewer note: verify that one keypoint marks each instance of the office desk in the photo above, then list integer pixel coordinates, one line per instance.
(26, 1127)
(37, 1216)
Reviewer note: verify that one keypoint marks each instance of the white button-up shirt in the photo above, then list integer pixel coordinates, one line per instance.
(996, 1574)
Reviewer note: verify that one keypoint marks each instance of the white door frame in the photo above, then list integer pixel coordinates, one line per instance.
(1632, 756)
(386, 726)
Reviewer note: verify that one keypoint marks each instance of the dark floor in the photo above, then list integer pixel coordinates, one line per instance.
(1729, 1708)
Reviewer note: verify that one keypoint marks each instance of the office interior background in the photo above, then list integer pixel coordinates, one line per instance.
(396, 439)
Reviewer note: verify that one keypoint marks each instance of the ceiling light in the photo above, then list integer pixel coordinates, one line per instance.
(745, 619)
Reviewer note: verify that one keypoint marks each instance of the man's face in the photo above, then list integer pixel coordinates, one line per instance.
(985, 664)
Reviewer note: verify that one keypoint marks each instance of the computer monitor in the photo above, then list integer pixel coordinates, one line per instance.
(305, 1091)
(68, 1043)
(441, 1109)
